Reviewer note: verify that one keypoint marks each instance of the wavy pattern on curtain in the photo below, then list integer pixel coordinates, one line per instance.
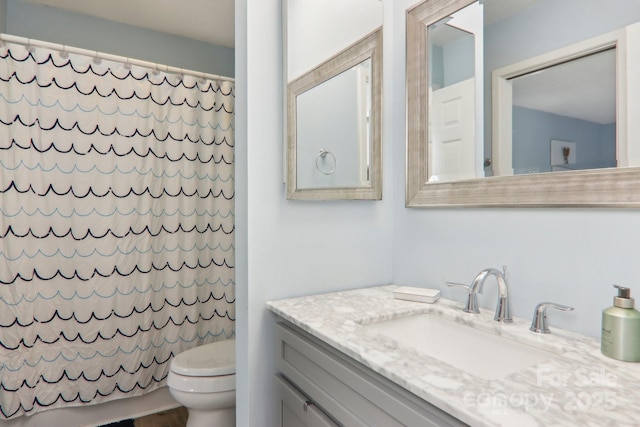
(116, 226)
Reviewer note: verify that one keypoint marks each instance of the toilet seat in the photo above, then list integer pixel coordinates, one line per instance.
(209, 360)
(215, 384)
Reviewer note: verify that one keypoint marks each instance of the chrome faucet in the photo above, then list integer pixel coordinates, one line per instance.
(503, 312)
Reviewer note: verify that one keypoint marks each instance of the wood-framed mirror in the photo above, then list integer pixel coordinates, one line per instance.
(445, 169)
(333, 93)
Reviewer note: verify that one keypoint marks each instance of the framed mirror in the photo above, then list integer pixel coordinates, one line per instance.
(333, 88)
(523, 103)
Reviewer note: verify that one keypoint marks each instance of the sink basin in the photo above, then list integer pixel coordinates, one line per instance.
(474, 351)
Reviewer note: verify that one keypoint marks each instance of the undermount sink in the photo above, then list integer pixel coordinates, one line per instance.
(474, 351)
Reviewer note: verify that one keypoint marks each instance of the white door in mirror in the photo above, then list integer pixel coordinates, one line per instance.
(452, 138)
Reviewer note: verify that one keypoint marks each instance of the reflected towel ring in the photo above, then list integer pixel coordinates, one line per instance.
(323, 155)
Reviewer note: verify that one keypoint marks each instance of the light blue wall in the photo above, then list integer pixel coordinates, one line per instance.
(436, 66)
(57, 26)
(459, 60)
(551, 24)
(608, 133)
(288, 248)
(452, 63)
(533, 131)
(3, 16)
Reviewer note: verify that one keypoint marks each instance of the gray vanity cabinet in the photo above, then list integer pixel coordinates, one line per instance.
(317, 379)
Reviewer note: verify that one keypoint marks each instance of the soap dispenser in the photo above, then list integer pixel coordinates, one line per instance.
(621, 328)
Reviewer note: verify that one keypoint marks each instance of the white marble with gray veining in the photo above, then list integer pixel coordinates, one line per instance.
(580, 387)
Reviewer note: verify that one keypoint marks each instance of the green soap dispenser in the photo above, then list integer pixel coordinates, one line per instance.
(621, 328)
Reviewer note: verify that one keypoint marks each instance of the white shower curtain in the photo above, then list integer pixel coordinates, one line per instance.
(116, 225)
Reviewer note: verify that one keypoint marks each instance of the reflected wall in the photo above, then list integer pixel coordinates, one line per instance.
(537, 29)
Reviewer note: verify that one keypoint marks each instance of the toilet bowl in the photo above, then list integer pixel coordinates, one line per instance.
(203, 379)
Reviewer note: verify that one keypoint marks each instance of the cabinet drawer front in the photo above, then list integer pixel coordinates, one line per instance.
(297, 410)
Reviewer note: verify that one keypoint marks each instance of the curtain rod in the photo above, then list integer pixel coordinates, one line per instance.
(116, 58)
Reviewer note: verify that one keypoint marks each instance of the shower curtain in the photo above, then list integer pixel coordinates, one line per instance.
(116, 225)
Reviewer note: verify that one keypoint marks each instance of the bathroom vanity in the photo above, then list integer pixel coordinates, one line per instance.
(317, 380)
(363, 358)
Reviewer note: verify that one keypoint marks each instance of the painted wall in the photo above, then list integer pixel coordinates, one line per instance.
(309, 42)
(286, 248)
(533, 130)
(452, 63)
(3, 16)
(459, 60)
(58, 26)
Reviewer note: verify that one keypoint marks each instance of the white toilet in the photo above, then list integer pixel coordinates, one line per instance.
(203, 379)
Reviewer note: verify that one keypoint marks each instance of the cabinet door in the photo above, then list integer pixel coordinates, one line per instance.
(297, 410)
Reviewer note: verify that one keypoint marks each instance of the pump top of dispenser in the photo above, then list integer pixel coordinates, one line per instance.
(623, 300)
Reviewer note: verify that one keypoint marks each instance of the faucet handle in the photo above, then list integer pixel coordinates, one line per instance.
(539, 323)
(458, 285)
(471, 306)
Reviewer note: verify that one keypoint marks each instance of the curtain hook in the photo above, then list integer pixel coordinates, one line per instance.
(155, 70)
(127, 64)
(96, 58)
(30, 48)
(64, 53)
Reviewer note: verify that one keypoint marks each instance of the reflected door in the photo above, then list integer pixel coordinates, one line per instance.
(452, 139)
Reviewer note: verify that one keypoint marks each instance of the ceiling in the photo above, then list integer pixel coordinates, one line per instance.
(583, 88)
(210, 21)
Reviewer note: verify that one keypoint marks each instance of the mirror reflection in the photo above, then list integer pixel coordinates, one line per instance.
(525, 87)
(455, 121)
(564, 116)
(333, 81)
(333, 121)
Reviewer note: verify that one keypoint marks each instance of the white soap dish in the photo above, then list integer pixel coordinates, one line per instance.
(417, 294)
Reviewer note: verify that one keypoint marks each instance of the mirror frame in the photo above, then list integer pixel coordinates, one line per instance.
(613, 187)
(369, 47)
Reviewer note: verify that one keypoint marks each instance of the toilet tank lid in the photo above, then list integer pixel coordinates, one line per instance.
(218, 358)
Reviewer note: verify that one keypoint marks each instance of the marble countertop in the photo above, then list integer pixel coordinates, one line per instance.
(579, 387)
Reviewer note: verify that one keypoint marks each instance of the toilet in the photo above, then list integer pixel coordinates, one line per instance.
(203, 379)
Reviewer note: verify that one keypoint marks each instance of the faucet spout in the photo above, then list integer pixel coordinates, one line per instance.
(478, 282)
(503, 311)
